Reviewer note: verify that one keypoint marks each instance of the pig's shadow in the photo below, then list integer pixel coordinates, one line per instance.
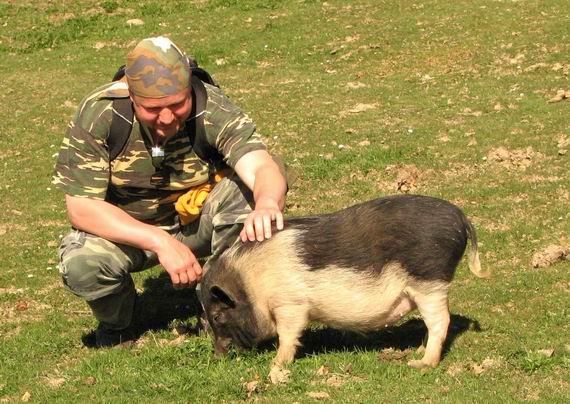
(403, 337)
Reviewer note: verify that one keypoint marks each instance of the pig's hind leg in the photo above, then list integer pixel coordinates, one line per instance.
(434, 309)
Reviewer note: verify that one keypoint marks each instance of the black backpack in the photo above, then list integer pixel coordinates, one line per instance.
(123, 114)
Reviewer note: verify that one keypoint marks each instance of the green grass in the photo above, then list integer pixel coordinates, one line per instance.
(445, 84)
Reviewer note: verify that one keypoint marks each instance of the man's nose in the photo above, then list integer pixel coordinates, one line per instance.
(166, 116)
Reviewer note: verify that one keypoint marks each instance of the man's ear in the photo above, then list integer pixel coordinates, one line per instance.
(222, 296)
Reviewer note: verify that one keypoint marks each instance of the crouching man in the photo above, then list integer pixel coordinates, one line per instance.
(190, 177)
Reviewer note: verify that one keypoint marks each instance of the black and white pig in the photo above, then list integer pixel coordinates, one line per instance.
(359, 269)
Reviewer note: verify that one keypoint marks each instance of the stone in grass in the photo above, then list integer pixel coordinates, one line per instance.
(135, 22)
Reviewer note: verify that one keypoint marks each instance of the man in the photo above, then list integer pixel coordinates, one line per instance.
(124, 209)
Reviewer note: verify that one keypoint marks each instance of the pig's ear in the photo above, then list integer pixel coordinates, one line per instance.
(222, 296)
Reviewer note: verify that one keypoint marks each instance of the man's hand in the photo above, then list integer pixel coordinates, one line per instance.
(257, 225)
(262, 175)
(179, 263)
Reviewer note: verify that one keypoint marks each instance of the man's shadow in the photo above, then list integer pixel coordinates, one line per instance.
(157, 307)
(160, 304)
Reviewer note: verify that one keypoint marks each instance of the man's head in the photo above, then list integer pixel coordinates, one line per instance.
(158, 74)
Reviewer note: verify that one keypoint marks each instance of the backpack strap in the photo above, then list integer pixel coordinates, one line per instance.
(121, 125)
(196, 126)
(203, 75)
(120, 73)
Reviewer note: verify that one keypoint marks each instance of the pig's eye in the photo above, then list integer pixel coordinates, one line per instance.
(217, 318)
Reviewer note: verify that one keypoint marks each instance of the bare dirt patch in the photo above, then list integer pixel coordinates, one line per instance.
(487, 364)
(403, 179)
(563, 141)
(518, 158)
(560, 96)
(358, 108)
(551, 254)
(407, 179)
(460, 170)
(11, 291)
(393, 355)
(9, 227)
(22, 310)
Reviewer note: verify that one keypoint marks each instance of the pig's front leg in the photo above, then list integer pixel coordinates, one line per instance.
(290, 321)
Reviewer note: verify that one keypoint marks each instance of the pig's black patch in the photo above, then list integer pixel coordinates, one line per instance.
(427, 236)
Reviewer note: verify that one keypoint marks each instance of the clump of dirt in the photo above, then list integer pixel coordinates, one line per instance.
(392, 355)
(550, 255)
(488, 363)
(407, 178)
(513, 158)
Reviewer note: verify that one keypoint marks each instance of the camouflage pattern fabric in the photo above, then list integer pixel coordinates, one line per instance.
(157, 68)
(83, 168)
(98, 270)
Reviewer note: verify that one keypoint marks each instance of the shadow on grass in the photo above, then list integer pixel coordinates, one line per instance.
(160, 304)
(408, 335)
(157, 307)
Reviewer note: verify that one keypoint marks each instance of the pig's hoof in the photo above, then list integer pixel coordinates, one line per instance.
(278, 375)
(419, 364)
(416, 364)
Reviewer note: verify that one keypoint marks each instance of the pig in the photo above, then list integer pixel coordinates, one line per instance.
(359, 269)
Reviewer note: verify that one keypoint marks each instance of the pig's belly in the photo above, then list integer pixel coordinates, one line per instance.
(365, 313)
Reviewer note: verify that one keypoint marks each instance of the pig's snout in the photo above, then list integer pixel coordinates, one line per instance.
(221, 347)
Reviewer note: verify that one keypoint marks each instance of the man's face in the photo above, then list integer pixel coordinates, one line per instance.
(165, 115)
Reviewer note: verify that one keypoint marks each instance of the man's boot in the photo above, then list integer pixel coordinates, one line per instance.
(115, 315)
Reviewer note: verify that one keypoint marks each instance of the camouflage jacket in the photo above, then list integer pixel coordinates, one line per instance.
(83, 168)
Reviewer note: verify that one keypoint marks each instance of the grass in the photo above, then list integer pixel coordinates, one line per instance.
(362, 98)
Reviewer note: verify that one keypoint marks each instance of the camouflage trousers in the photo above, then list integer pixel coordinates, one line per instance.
(98, 270)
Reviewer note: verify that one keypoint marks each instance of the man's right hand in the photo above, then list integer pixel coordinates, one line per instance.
(179, 262)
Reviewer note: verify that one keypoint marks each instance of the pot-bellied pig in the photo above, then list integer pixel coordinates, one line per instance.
(359, 269)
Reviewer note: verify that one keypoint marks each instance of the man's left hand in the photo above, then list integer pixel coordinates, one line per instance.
(257, 225)
(262, 175)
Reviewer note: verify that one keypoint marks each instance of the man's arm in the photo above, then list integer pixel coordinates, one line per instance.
(261, 174)
(112, 223)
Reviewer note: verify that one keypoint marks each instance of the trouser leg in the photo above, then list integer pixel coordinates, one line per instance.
(98, 271)
(115, 311)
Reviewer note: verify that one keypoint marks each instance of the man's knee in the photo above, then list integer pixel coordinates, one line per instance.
(88, 277)
(92, 267)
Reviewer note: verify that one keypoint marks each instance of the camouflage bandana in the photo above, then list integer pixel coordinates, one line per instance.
(157, 68)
